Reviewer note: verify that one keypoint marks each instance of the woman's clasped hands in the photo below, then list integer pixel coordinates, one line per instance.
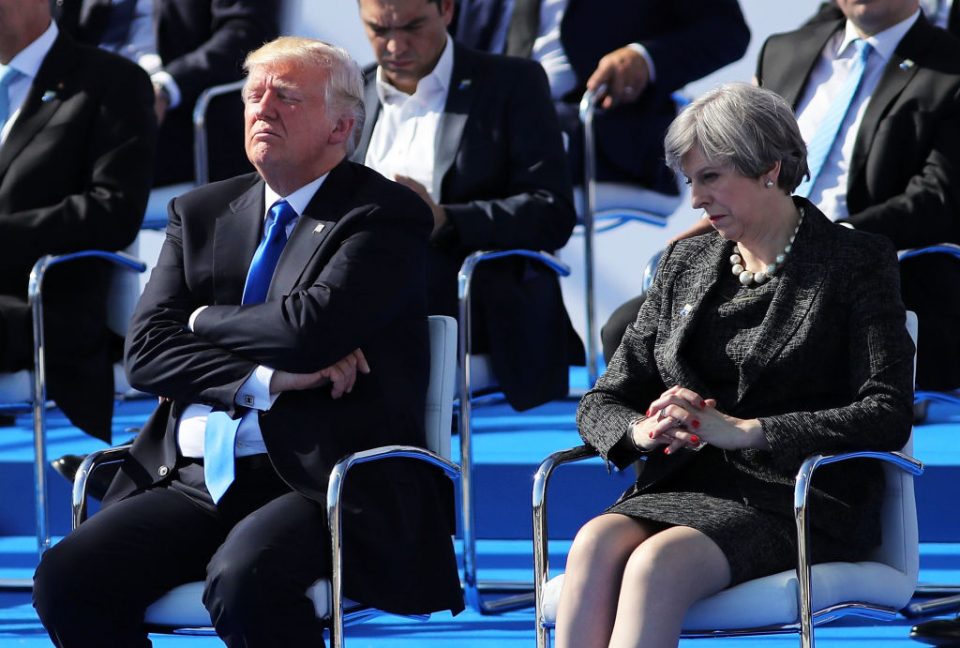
(681, 418)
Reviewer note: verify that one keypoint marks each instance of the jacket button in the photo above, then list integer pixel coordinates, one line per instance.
(162, 471)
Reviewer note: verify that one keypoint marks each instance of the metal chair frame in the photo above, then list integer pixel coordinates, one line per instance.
(591, 216)
(474, 588)
(808, 616)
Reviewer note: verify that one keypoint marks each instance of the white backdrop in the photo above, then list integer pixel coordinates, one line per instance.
(620, 254)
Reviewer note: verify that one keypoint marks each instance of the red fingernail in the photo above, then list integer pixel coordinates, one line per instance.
(694, 439)
(694, 424)
(651, 434)
(666, 451)
(648, 412)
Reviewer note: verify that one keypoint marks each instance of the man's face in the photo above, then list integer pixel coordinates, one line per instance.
(289, 134)
(874, 16)
(407, 36)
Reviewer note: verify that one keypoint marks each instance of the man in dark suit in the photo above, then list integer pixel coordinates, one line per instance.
(75, 163)
(487, 156)
(895, 160)
(188, 46)
(643, 50)
(240, 331)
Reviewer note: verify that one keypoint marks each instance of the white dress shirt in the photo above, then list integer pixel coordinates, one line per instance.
(27, 62)
(405, 135)
(829, 192)
(254, 393)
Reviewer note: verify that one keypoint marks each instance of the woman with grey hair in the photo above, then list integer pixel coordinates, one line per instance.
(776, 336)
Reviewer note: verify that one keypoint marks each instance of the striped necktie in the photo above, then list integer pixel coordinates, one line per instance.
(820, 145)
(220, 436)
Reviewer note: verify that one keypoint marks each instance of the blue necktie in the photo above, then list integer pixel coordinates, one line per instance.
(820, 145)
(7, 76)
(220, 437)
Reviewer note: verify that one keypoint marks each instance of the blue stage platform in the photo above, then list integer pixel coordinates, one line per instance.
(508, 446)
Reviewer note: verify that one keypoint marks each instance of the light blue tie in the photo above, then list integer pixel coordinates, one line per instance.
(220, 437)
(820, 145)
(7, 76)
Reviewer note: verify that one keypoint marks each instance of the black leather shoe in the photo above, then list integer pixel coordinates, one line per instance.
(939, 632)
(97, 483)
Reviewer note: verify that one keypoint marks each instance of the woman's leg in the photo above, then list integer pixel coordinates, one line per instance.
(663, 577)
(594, 571)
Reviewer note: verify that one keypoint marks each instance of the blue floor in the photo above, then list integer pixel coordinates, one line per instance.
(508, 446)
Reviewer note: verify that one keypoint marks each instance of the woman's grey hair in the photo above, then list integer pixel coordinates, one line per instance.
(747, 127)
(344, 91)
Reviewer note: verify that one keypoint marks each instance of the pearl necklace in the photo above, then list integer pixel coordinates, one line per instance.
(748, 278)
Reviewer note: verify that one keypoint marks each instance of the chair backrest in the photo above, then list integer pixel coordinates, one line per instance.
(900, 544)
(442, 386)
(123, 293)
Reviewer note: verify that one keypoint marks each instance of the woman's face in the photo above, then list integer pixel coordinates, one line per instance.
(733, 202)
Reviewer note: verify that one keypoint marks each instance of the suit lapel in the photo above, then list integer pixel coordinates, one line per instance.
(899, 71)
(800, 60)
(236, 236)
(47, 93)
(313, 228)
(460, 98)
(689, 289)
(801, 281)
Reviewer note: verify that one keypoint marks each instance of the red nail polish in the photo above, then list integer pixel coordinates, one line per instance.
(648, 412)
(695, 424)
(694, 439)
(651, 434)
(666, 451)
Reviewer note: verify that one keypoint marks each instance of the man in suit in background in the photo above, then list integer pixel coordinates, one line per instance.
(240, 332)
(77, 137)
(186, 46)
(893, 166)
(475, 135)
(642, 50)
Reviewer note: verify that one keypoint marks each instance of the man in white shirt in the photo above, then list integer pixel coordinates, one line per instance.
(238, 330)
(894, 165)
(477, 137)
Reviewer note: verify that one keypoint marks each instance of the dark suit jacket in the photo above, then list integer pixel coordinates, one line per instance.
(831, 372)
(687, 39)
(356, 283)
(505, 185)
(201, 43)
(74, 175)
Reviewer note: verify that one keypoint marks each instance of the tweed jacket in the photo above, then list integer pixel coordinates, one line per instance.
(830, 372)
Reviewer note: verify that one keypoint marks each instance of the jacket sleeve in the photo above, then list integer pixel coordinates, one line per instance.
(880, 359)
(631, 381)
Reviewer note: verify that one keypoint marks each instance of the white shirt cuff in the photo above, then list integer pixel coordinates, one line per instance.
(255, 391)
(193, 318)
(163, 78)
(642, 51)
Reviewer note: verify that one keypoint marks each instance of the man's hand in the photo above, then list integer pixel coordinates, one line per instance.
(161, 101)
(625, 73)
(342, 374)
(439, 214)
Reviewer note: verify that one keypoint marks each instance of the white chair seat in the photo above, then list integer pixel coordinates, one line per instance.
(772, 600)
(182, 607)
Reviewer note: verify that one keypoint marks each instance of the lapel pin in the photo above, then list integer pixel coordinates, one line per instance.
(318, 228)
(906, 64)
(465, 83)
(686, 310)
(49, 95)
